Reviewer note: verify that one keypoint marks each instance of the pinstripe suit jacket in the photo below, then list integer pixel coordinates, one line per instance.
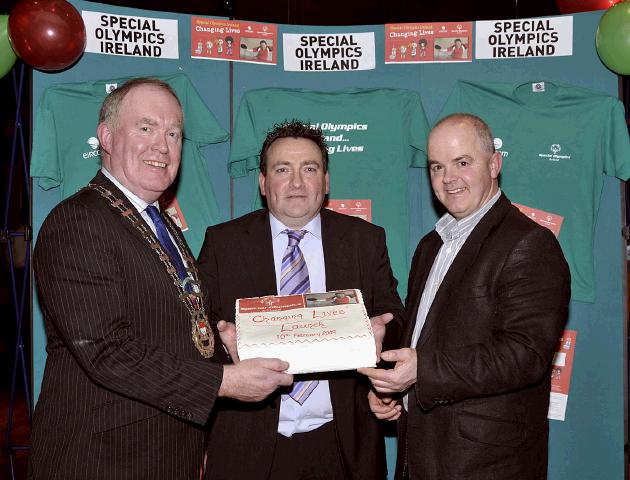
(236, 261)
(125, 393)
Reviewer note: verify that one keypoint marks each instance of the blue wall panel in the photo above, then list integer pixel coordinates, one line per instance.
(589, 444)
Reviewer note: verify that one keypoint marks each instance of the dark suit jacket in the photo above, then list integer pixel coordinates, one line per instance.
(479, 407)
(236, 261)
(125, 393)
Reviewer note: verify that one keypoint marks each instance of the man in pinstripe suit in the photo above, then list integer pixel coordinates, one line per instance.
(125, 392)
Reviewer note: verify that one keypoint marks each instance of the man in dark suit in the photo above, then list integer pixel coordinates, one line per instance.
(128, 388)
(489, 291)
(333, 434)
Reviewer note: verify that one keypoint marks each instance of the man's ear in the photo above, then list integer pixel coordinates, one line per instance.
(104, 135)
(496, 161)
(261, 183)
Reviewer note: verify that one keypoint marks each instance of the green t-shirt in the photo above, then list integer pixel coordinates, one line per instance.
(66, 151)
(373, 135)
(557, 142)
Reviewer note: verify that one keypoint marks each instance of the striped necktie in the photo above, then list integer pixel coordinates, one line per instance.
(294, 280)
(294, 272)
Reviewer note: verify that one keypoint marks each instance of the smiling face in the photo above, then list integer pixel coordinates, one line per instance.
(295, 183)
(464, 175)
(143, 143)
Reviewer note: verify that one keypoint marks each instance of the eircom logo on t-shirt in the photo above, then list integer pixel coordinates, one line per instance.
(94, 151)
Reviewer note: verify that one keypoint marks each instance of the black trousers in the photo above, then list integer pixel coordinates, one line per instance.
(312, 455)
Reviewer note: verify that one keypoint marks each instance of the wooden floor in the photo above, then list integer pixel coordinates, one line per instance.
(19, 435)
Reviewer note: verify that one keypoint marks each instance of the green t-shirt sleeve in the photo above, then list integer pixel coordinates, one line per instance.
(616, 148)
(417, 128)
(45, 163)
(200, 124)
(246, 142)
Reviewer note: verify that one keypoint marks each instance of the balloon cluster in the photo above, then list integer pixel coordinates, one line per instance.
(613, 38)
(613, 33)
(46, 34)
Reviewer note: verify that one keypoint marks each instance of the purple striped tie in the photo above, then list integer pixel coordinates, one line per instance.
(294, 272)
(294, 281)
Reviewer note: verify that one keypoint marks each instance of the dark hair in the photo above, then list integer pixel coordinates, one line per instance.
(111, 104)
(481, 128)
(293, 129)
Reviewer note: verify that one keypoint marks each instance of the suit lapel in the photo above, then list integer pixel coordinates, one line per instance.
(257, 252)
(106, 183)
(420, 269)
(337, 253)
(462, 263)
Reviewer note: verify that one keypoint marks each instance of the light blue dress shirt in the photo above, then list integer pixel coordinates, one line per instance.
(317, 409)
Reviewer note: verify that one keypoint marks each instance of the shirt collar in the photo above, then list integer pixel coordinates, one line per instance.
(314, 227)
(449, 228)
(136, 201)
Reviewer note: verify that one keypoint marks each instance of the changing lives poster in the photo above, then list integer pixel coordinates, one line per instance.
(233, 40)
(428, 42)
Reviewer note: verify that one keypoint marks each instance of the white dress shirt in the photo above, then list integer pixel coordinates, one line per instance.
(454, 234)
(317, 409)
(141, 206)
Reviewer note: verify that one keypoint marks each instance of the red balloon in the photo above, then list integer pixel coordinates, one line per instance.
(47, 34)
(577, 6)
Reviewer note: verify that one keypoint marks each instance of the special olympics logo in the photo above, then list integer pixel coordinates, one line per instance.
(555, 148)
(498, 143)
(269, 301)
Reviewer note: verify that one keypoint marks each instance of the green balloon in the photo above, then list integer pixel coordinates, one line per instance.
(7, 55)
(613, 38)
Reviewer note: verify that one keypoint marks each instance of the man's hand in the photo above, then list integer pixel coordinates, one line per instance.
(252, 380)
(378, 327)
(384, 407)
(398, 379)
(227, 332)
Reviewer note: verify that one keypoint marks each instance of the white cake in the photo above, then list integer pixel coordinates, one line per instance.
(314, 332)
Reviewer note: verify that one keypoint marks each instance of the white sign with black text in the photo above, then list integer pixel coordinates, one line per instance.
(525, 37)
(130, 36)
(334, 52)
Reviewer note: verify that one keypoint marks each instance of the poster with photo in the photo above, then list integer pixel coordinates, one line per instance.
(170, 206)
(561, 375)
(353, 207)
(550, 220)
(233, 40)
(428, 42)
